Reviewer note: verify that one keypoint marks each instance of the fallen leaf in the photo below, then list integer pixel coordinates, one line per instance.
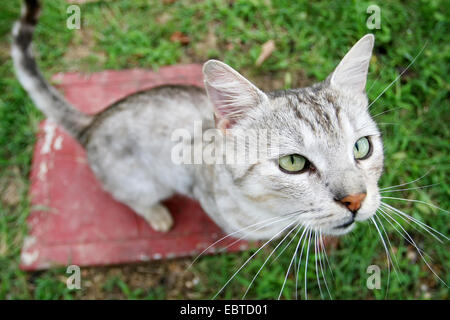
(11, 188)
(178, 36)
(266, 51)
(163, 18)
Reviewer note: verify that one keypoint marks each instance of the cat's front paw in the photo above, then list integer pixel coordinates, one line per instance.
(159, 218)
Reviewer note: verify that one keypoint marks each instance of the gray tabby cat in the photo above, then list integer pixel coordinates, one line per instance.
(324, 176)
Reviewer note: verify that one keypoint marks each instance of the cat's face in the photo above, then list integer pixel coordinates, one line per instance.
(329, 154)
(321, 128)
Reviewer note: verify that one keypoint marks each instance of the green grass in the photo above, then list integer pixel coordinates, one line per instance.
(310, 39)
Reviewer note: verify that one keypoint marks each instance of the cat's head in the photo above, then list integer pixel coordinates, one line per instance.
(330, 153)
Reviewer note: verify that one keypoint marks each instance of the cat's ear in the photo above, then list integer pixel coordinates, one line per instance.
(231, 94)
(351, 73)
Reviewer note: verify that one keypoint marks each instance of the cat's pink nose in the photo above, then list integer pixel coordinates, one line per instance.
(353, 202)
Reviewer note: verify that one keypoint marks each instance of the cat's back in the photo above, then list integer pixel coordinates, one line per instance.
(153, 113)
(159, 109)
(134, 135)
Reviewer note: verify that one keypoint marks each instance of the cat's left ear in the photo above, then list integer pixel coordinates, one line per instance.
(231, 94)
(351, 73)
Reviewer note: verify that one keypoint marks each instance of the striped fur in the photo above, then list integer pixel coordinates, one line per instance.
(44, 96)
(129, 146)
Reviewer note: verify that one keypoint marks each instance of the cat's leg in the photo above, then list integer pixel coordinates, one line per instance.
(128, 184)
(157, 216)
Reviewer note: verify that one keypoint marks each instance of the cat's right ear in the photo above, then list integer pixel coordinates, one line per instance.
(231, 94)
(351, 73)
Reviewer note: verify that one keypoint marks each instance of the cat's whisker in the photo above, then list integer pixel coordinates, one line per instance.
(421, 224)
(417, 201)
(388, 123)
(404, 184)
(316, 269)
(295, 271)
(264, 224)
(267, 259)
(385, 214)
(281, 252)
(414, 188)
(326, 256)
(224, 249)
(387, 111)
(298, 268)
(290, 264)
(419, 251)
(417, 228)
(399, 76)
(287, 245)
(251, 257)
(371, 86)
(306, 266)
(321, 266)
(297, 212)
(406, 236)
(395, 263)
(388, 256)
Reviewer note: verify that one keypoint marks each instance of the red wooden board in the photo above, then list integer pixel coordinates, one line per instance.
(73, 221)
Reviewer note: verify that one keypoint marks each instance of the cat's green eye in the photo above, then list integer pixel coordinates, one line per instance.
(293, 163)
(362, 149)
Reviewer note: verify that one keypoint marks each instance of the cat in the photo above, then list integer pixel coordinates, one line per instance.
(324, 176)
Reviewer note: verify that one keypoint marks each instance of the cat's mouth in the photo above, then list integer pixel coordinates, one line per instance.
(345, 225)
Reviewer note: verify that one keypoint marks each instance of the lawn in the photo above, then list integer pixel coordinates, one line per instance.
(310, 39)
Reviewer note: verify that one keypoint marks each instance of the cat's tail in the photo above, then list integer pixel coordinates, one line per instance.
(44, 96)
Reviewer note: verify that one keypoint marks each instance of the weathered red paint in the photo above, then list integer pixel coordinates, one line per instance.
(73, 221)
